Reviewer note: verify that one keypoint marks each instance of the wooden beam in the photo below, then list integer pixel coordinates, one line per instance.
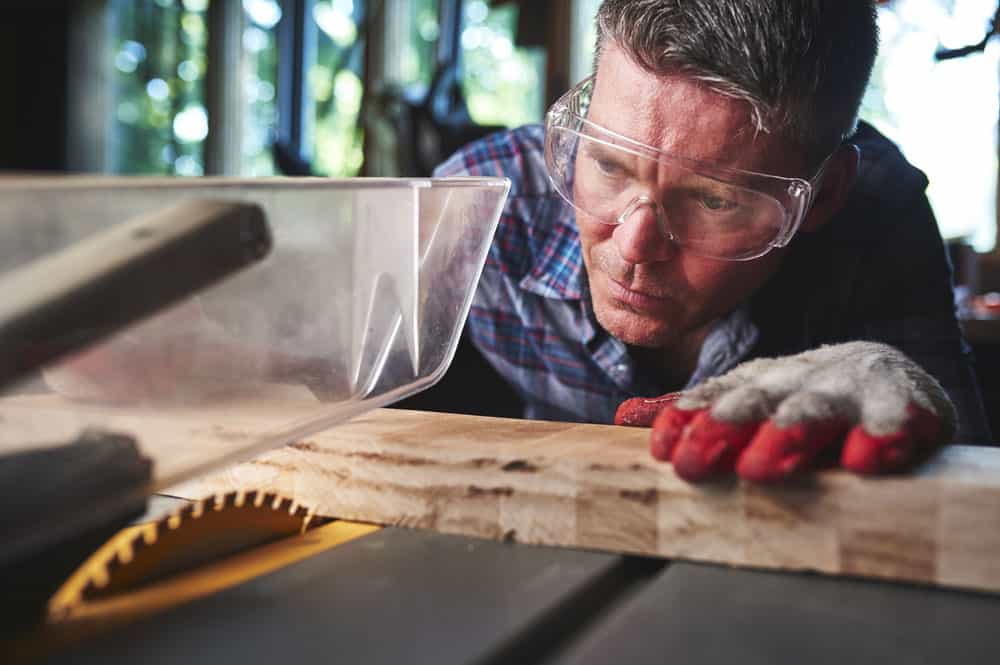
(584, 486)
(594, 486)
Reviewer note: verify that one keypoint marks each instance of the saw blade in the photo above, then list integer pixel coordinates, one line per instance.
(192, 536)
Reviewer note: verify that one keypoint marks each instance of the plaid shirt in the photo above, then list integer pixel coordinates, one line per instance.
(877, 271)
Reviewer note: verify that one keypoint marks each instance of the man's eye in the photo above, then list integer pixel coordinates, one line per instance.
(718, 203)
(608, 167)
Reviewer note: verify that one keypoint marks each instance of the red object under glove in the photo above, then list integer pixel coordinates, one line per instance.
(771, 419)
(640, 411)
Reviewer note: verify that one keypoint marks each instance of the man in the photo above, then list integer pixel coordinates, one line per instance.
(700, 203)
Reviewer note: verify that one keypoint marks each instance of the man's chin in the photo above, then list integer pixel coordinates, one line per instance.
(635, 328)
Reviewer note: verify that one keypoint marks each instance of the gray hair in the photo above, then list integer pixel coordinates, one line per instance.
(802, 66)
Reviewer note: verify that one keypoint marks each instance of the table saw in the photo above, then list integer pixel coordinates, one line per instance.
(167, 350)
(403, 595)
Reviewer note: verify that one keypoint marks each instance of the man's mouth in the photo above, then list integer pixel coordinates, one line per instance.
(636, 300)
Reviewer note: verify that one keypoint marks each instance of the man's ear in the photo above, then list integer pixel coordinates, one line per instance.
(838, 178)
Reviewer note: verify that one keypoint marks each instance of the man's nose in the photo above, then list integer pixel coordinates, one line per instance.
(642, 235)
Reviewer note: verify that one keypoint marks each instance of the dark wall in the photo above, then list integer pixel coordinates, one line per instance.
(33, 76)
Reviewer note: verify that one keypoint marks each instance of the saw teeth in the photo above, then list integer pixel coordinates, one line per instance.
(100, 579)
(129, 558)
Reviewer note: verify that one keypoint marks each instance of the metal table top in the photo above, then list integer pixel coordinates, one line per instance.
(417, 597)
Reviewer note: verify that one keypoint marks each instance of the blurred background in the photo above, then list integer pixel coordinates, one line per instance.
(392, 87)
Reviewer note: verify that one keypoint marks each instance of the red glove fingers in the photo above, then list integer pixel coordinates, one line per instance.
(709, 448)
(772, 418)
(776, 453)
(702, 448)
(642, 411)
(667, 430)
(869, 454)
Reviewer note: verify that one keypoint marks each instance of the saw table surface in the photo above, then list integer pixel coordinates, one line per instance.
(408, 596)
(613, 589)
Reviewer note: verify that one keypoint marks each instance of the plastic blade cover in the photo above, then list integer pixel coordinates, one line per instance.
(386, 282)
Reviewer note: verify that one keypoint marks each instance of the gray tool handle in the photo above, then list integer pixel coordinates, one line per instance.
(80, 295)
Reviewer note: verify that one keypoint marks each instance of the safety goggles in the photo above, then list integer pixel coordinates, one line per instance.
(712, 211)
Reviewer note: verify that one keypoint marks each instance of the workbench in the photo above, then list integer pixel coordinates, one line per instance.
(433, 594)
(409, 596)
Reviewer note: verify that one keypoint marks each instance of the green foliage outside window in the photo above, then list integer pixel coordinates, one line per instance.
(159, 60)
(259, 78)
(504, 84)
(335, 85)
(417, 58)
(335, 80)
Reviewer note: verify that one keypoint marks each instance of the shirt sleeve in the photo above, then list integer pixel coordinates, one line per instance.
(877, 271)
(914, 311)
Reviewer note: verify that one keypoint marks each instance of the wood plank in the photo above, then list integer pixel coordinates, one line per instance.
(594, 486)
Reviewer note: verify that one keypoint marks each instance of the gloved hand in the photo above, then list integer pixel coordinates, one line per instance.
(771, 418)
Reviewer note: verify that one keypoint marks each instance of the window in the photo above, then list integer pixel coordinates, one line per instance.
(943, 115)
(293, 74)
(160, 122)
(259, 74)
(336, 79)
(583, 39)
(412, 31)
(335, 85)
(504, 84)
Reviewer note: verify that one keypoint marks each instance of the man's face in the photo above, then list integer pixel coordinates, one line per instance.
(646, 290)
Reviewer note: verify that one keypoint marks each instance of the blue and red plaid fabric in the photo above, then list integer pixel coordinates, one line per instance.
(877, 271)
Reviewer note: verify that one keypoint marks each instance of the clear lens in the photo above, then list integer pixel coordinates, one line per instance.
(714, 212)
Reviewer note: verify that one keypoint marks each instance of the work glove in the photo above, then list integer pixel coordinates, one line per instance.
(772, 418)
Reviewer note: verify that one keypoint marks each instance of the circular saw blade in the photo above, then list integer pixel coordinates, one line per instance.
(194, 535)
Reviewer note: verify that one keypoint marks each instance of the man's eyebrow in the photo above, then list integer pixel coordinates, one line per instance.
(692, 182)
(597, 150)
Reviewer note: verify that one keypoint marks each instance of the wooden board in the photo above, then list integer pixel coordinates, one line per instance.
(594, 486)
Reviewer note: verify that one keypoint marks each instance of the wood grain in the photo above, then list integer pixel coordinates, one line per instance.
(595, 486)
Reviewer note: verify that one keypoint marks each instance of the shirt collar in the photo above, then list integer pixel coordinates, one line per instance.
(557, 269)
(728, 343)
